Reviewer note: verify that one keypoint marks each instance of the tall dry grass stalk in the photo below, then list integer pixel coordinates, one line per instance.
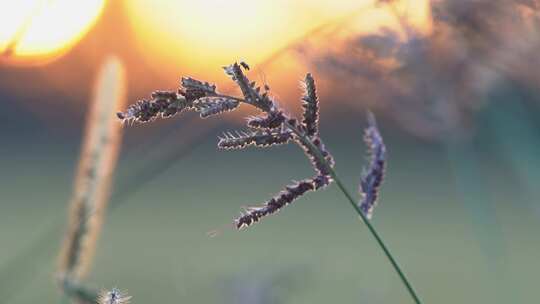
(96, 166)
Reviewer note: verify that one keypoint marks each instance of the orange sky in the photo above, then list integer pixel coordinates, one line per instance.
(182, 32)
(203, 35)
(160, 40)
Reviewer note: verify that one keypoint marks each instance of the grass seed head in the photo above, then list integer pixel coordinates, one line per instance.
(310, 103)
(271, 127)
(373, 176)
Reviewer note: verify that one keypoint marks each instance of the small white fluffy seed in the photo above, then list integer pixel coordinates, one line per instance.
(115, 296)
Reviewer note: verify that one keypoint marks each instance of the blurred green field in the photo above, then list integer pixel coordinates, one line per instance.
(458, 218)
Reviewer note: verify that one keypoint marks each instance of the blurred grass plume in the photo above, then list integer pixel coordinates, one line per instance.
(94, 175)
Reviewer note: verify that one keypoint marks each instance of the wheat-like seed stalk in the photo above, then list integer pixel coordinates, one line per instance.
(96, 166)
(273, 127)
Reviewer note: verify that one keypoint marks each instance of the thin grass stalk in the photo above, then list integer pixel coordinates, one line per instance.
(358, 210)
(96, 166)
(377, 237)
(78, 293)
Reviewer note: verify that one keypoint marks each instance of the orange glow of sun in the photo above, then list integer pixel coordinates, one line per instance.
(187, 35)
(219, 31)
(35, 31)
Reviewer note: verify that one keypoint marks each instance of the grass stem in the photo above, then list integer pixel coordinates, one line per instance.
(356, 207)
(353, 203)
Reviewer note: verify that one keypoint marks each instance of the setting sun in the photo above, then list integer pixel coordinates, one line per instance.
(218, 30)
(198, 35)
(32, 31)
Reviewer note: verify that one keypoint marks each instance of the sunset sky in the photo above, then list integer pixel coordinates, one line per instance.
(173, 31)
(54, 47)
(369, 53)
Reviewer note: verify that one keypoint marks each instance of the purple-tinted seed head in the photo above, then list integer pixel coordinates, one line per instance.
(273, 127)
(373, 176)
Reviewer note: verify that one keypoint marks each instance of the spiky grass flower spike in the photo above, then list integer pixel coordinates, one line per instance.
(271, 120)
(311, 107)
(372, 177)
(262, 139)
(271, 127)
